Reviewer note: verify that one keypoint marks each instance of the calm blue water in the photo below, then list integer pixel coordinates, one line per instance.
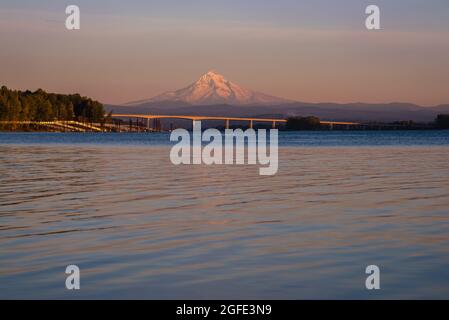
(140, 227)
(303, 139)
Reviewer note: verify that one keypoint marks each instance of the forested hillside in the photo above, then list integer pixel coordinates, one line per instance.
(42, 106)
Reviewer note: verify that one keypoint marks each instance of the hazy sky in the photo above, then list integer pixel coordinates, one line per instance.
(314, 50)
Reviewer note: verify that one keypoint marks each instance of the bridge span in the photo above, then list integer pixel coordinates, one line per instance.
(226, 120)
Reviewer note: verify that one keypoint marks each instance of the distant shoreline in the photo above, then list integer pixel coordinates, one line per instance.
(283, 129)
(138, 123)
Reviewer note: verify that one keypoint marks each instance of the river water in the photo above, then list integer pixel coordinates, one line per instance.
(138, 226)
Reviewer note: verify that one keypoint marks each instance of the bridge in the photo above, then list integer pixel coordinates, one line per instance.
(76, 126)
(225, 119)
(57, 125)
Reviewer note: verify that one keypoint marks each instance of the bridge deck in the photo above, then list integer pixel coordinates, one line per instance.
(195, 118)
(199, 118)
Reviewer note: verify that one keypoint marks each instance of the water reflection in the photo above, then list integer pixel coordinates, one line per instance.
(138, 226)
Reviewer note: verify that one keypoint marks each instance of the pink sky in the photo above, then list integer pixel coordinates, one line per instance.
(117, 59)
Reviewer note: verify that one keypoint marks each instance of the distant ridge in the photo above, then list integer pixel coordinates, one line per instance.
(364, 112)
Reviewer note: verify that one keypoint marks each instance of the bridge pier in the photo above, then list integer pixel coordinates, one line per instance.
(273, 125)
(227, 124)
(250, 124)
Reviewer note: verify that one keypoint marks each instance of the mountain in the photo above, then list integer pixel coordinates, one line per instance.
(213, 89)
(213, 95)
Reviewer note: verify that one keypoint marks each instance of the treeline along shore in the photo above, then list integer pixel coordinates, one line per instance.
(314, 123)
(42, 111)
(40, 106)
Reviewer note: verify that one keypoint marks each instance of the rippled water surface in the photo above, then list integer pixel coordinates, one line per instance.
(140, 227)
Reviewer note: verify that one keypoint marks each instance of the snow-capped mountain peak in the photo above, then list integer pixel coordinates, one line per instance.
(212, 88)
